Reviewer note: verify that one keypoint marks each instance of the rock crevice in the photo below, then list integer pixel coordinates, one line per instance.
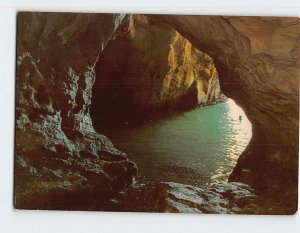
(149, 67)
(62, 58)
(59, 155)
(258, 63)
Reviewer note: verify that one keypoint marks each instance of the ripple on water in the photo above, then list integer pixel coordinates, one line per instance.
(195, 147)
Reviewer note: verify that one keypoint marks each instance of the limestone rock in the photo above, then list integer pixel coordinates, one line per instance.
(219, 198)
(149, 66)
(57, 148)
(258, 61)
(59, 156)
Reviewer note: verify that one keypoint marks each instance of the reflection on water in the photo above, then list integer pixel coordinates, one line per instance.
(238, 132)
(195, 147)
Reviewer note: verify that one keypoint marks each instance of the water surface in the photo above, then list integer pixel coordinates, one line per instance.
(195, 147)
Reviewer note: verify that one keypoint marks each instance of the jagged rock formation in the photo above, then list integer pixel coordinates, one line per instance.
(59, 157)
(258, 62)
(149, 65)
(219, 198)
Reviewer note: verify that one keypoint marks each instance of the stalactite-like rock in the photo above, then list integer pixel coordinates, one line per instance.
(59, 155)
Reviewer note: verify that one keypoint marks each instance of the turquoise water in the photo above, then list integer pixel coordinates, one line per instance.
(195, 147)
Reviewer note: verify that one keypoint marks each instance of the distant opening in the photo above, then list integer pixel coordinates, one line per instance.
(159, 101)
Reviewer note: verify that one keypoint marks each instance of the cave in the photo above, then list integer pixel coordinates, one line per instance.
(148, 67)
(59, 98)
(150, 96)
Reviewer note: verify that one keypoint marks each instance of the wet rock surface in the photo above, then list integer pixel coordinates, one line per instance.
(59, 157)
(218, 198)
(258, 64)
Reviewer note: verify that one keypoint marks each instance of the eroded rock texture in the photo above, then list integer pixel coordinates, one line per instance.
(219, 198)
(60, 157)
(61, 162)
(258, 63)
(149, 66)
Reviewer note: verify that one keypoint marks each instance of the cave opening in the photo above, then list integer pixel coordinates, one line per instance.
(159, 100)
(150, 78)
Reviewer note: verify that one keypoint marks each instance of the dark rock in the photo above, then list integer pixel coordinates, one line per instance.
(219, 198)
(258, 60)
(60, 158)
(149, 68)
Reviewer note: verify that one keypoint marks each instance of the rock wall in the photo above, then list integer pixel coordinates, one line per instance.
(218, 198)
(59, 157)
(149, 65)
(258, 63)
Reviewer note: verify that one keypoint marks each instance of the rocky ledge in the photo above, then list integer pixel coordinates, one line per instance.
(258, 61)
(58, 152)
(61, 162)
(60, 157)
(218, 198)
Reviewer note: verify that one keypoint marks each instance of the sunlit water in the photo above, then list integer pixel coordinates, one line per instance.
(195, 147)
